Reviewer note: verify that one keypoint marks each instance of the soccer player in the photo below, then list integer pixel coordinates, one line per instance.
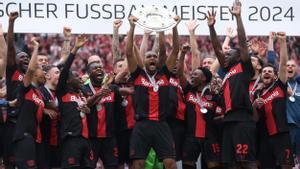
(27, 136)
(275, 144)
(151, 99)
(238, 147)
(76, 149)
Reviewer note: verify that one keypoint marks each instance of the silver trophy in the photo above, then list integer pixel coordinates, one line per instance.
(154, 18)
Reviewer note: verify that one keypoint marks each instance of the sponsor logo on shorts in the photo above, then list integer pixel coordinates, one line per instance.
(30, 163)
(132, 152)
(116, 152)
(91, 155)
(71, 160)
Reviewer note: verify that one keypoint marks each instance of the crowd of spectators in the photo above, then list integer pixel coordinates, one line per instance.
(51, 44)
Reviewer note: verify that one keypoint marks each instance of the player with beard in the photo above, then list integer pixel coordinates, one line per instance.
(238, 147)
(75, 147)
(151, 89)
(15, 70)
(293, 106)
(27, 137)
(50, 123)
(275, 144)
(104, 102)
(201, 105)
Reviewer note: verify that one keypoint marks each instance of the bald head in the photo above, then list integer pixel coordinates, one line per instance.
(150, 53)
(94, 58)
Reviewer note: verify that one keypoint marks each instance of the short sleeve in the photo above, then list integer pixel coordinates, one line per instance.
(164, 70)
(187, 88)
(282, 85)
(23, 90)
(248, 68)
(136, 73)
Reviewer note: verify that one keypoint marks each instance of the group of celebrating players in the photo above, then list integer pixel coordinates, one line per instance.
(232, 110)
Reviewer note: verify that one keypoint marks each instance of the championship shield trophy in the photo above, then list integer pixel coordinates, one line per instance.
(154, 18)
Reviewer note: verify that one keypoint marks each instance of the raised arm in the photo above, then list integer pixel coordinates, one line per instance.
(180, 71)
(32, 64)
(3, 53)
(132, 64)
(171, 60)
(144, 44)
(66, 46)
(192, 25)
(215, 67)
(64, 75)
(138, 57)
(214, 39)
(11, 51)
(283, 57)
(272, 36)
(155, 46)
(115, 41)
(161, 49)
(236, 11)
(271, 56)
(230, 34)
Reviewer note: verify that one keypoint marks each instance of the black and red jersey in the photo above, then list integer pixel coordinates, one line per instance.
(274, 109)
(125, 117)
(177, 104)
(236, 92)
(73, 122)
(3, 115)
(195, 119)
(102, 119)
(31, 113)
(50, 127)
(13, 80)
(148, 103)
(252, 88)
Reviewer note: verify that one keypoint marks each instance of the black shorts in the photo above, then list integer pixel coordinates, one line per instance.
(9, 148)
(239, 142)
(155, 134)
(52, 156)
(1, 140)
(77, 152)
(123, 141)
(275, 150)
(212, 150)
(26, 152)
(178, 131)
(105, 149)
(192, 147)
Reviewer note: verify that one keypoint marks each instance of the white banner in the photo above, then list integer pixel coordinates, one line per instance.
(96, 16)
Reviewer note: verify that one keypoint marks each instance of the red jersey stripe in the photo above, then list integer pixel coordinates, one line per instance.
(101, 125)
(153, 105)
